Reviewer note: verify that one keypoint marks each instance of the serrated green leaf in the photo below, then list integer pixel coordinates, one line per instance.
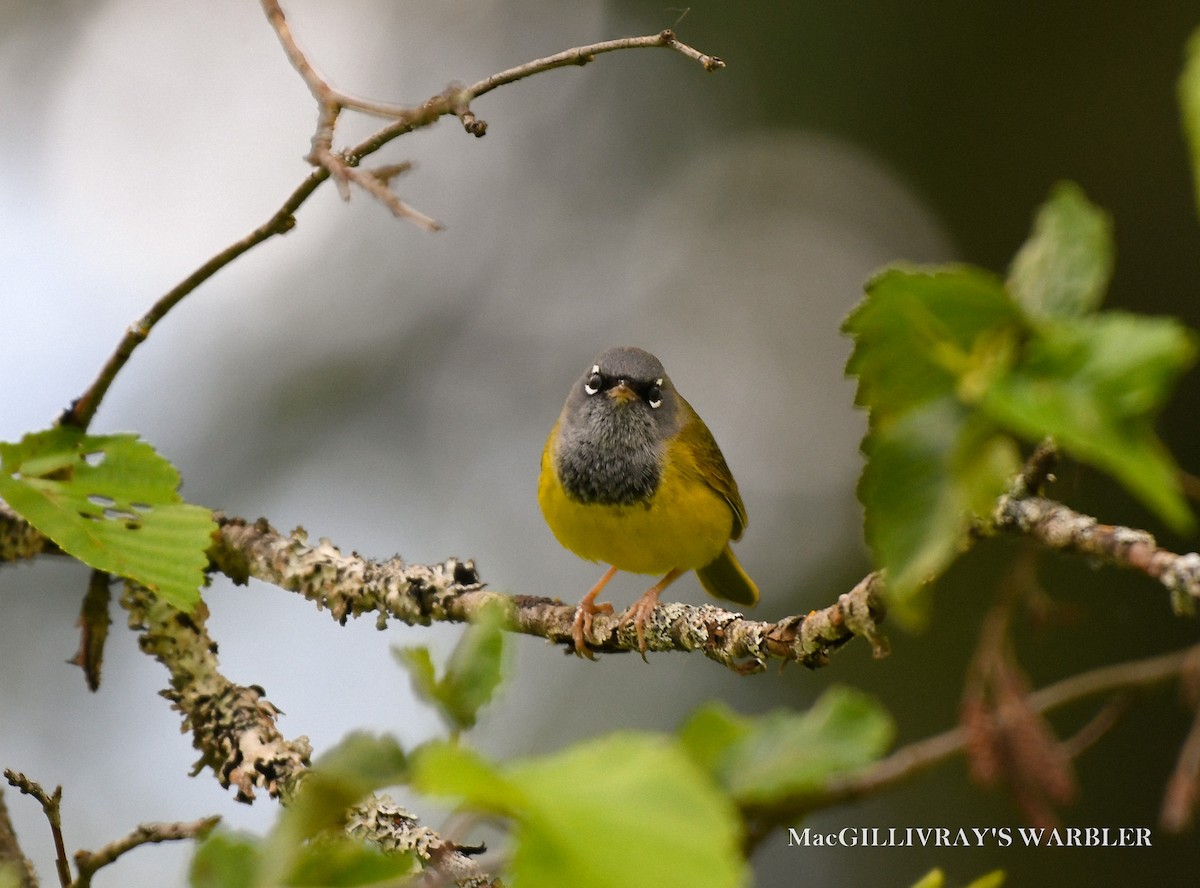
(226, 860)
(785, 755)
(629, 809)
(1097, 384)
(922, 334)
(1189, 102)
(113, 503)
(1063, 269)
(473, 671)
(928, 474)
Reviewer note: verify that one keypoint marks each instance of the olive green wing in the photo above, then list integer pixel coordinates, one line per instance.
(711, 467)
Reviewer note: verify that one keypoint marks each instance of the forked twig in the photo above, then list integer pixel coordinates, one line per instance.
(344, 167)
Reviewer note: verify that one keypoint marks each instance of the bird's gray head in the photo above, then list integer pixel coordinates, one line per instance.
(614, 427)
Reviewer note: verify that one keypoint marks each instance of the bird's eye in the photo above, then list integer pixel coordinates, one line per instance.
(594, 382)
(654, 394)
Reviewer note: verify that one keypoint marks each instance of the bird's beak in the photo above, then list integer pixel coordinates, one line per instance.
(622, 393)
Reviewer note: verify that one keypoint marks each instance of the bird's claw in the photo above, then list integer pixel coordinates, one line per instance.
(581, 628)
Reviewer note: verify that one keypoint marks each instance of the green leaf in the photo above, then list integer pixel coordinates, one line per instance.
(226, 860)
(710, 732)
(1063, 269)
(920, 335)
(342, 862)
(785, 755)
(1096, 384)
(360, 764)
(111, 502)
(1189, 101)
(994, 879)
(629, 808)
(441, 768)
(473, 671)
(928, 474)
(935, 878)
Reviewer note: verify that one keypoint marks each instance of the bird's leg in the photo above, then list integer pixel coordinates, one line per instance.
(582, 627)
(644, 606)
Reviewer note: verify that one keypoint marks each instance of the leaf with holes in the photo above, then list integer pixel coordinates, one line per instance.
(112, 502)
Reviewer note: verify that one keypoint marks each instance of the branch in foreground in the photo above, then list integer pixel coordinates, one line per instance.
(349, 585)
(234, 728)
(916, 758)
(11, 855)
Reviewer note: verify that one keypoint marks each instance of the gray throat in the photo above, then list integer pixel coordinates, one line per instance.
(611, 460)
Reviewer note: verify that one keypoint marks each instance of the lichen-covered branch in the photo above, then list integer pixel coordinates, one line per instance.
(233, 726)
(1056, 526)
(11, 855)
(349, 585)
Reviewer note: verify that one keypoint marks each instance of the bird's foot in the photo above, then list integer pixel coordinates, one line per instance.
(639, 613)
(582, 627)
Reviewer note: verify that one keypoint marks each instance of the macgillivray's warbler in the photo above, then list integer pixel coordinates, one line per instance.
(632, 477)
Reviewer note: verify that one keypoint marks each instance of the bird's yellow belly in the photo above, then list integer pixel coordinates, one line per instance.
(685, 525)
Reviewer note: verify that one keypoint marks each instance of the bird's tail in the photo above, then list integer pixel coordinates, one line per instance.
(724, 578)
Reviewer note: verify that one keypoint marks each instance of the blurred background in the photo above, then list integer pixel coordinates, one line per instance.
(391, 389)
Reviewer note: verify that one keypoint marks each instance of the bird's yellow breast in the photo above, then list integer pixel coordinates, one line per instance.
(685, 524)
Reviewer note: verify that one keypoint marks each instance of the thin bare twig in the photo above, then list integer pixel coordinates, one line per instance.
(83, 409)
(88, 862)
(52, 807)
(918, 757)
(1183, 787)
(344, 167)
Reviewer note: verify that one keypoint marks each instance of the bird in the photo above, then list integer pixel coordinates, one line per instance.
(632, 477)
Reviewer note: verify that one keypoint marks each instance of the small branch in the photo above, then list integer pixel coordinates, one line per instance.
(349, 585)
(233, 726)
(344, 168)
(1056, 526)
(1183, 787)
(88, 862)
(52, 807)
(83, 409)
(916, 758)
(581, 55)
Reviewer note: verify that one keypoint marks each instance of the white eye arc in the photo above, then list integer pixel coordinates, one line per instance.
(594, 381)
(654, 396)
